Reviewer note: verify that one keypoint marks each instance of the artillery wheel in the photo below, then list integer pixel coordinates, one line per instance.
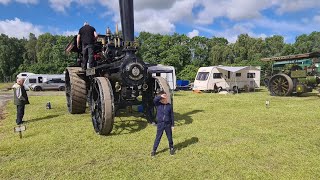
(76, 92)
(156, 85)
(280, 85)
(102, 105)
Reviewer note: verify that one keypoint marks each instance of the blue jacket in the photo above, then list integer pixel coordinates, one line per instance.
(164, 111)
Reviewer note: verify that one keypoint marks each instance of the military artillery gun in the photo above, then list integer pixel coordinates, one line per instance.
(117, 80)
(293, 74)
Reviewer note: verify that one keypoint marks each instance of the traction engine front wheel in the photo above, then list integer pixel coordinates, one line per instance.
(102, 105)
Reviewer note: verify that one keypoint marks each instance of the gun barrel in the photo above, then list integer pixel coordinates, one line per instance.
(127, 20)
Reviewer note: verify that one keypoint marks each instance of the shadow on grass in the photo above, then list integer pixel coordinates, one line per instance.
(43, 118)
(185, 117)
(128, 127)
(183, 144)
(309, 94)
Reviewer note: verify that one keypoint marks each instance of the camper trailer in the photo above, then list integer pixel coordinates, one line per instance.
(215, 78)
(40, 82)
(167, 72)
(24, 75)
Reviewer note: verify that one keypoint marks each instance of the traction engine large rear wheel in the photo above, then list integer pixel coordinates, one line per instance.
(156, 85)
(76, 92)
(280, 85)
(102, 105)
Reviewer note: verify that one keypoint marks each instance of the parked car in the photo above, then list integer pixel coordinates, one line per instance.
(38, 79)
(53, 84)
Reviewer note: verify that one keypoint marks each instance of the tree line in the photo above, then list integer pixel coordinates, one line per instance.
(45, 54)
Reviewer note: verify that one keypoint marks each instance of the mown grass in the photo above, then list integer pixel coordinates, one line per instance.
(216, 137)
(6, 86)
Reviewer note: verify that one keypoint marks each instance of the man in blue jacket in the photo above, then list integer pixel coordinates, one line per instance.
(165, 121)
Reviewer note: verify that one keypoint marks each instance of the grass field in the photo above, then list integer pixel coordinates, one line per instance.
(216, 137)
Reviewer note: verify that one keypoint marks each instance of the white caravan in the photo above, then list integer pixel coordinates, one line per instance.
(24, 75)
(41, 78)
(167, 72)
(215, 78)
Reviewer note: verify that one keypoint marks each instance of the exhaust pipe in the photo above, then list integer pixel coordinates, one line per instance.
(127, 20)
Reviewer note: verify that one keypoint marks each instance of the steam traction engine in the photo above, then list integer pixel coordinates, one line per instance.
(293, 74)
(117, 80)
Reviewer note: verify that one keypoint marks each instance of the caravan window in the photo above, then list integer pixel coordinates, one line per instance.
(251, 75)
(202, 76)
(40, 80)
(238, 74)
(217, 75)
(32, 80)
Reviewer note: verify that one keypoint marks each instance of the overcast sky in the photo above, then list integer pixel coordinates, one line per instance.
(220, 18)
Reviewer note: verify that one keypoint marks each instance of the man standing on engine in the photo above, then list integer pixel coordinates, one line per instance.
(88, 35)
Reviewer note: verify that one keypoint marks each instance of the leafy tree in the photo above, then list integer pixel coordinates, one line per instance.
(189, 72)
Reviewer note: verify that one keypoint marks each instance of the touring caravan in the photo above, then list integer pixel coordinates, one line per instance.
(167, 72)
(228, 78)
(31, 80)
(24, 75)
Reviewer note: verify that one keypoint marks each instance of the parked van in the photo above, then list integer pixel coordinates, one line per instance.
(39, 82)
(24, 75)
(215, 78)
(167, 72)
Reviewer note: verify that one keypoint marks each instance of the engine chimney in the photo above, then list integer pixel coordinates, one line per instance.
(127, 21)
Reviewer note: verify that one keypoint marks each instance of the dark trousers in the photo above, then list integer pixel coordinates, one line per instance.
(160, 128)
(87, 51)
(20, 113)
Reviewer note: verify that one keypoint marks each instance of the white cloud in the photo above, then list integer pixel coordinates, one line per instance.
(28, 1)
(163, 16)
(154, 17)
(70, 33)
(295, 5)
(19, 29)
(316, 19)
(20, 1)
(232, 33)
(60, 5)
(232, 9)
(153, 24)
(4, 1)
(193, 33)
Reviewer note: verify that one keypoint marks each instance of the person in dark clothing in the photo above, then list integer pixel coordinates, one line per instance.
(87, 35)
(20, 99)
(165, 121)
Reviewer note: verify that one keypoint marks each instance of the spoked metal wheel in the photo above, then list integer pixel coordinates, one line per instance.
(156, 85)
(102, 105)
(280, 85)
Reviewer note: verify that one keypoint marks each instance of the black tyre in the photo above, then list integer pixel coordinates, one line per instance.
(76, 92)
(102, 105)
(280, 85)
(37, 88)
(235, 89)
(62, 88)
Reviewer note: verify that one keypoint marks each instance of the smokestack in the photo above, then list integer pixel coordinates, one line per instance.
(127, 21)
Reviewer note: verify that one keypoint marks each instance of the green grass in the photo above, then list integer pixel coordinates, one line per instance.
(216, 137)
(6, 86)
